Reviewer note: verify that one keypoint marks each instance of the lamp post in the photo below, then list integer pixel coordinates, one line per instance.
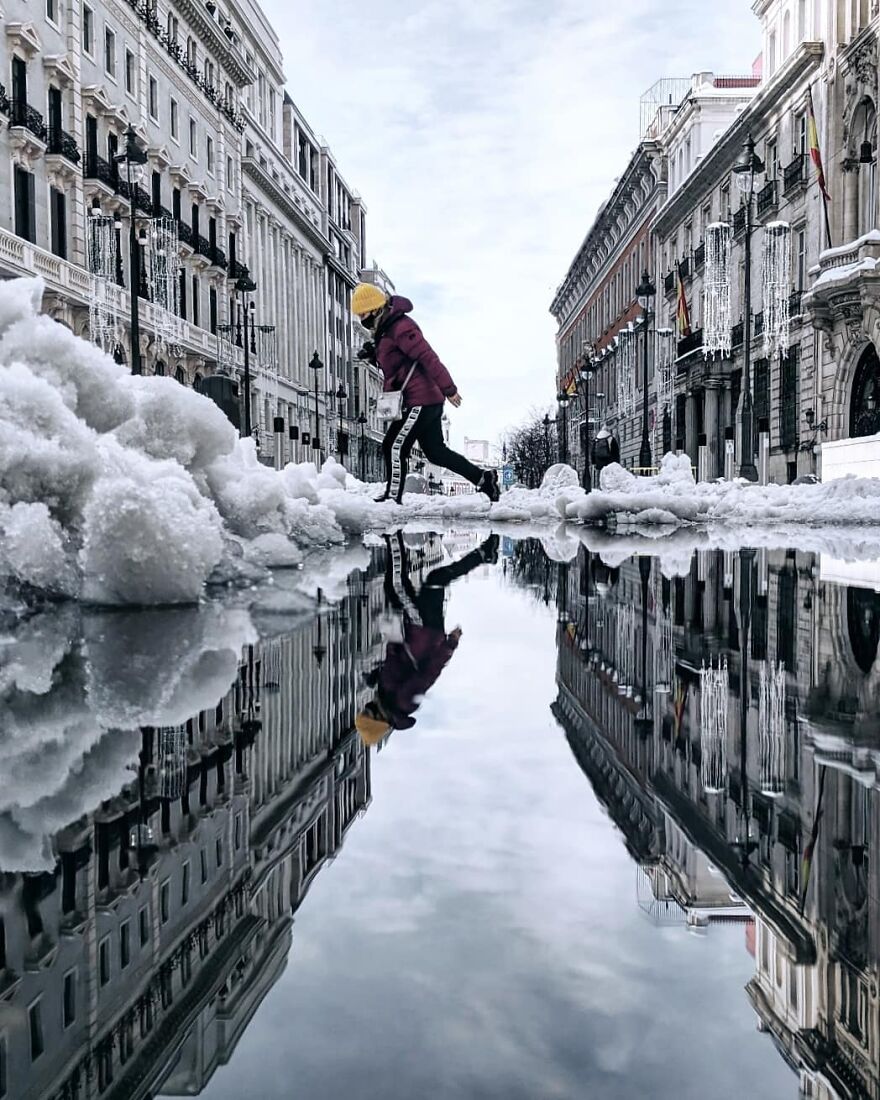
(362, 456)
(318, 367)
(563, 400)
(341, 396)
(645, 292)
(586, 377)
(547, 422)
(133, 155)
(748, 166)
(246, 285)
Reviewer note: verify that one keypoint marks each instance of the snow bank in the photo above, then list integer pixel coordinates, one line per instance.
(673, 498)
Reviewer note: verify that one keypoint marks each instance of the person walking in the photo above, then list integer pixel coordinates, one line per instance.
(409, 364)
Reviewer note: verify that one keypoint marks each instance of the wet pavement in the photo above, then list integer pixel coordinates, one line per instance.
(566, 855)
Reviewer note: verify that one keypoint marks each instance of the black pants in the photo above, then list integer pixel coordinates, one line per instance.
(423, 425)
(428, 603)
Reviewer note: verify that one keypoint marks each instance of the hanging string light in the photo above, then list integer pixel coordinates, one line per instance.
(771, 726)
(172, 761)
(271, 665)
(716, 291)
(776, 268)
(163, 273)
(101, 243)
(714, 696)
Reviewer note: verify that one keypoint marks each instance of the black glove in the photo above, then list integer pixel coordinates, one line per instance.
(368, 352)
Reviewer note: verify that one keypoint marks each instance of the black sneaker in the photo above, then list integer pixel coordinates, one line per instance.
(489, 485)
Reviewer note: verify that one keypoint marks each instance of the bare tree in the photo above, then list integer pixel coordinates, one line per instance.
(530, 449)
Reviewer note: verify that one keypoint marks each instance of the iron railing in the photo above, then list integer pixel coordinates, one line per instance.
(99, 169)
(793, 174)
(24, 115)
(739, 221)
(669, 282)
(217, 257)
(699, 256)
(736, 334)
(684, 267)
(185, 233)
(767, 198)
(794, 303)
(143, 200)
(202, 245)
(692, 342)
(62, 144)
(759, 324)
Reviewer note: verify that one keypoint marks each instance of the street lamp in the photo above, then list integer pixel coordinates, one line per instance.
(563, 401)
(547, 422)
(747, 168)
(645, 292)
(318, 367)
(341, 396)
(362, 457)
(133, 155)
(246, 285)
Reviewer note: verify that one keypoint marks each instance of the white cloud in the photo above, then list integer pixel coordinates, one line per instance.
(483, 138)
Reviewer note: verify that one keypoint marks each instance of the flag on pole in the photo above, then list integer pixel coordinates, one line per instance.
(810, 849)
(572, 388)
(682, 313)
(815, 151)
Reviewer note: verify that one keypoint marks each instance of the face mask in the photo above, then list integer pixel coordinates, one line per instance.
(369, 321)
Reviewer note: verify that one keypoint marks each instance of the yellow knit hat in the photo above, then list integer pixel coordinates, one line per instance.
(372, 730)
(366, 298)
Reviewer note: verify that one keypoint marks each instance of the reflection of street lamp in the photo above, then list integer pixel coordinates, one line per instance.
(246, 285)
(744, 843)
(547, 422)
(645, 722)
(645, 292)
(318, 367)
(341, 397)
(746, 169)
(133, 155)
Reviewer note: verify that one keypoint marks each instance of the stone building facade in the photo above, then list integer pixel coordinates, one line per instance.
(231, 167)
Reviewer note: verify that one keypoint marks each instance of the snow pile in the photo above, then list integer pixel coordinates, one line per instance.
(673, 498)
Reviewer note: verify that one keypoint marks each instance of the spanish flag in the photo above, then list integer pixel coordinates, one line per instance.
(572, 388)
(813, 142)
(682, 313)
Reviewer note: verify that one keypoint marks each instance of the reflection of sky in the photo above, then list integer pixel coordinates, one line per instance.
(479, 934)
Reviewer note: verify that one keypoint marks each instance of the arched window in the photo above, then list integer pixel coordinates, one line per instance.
(160, 367)
(180, 376)
(197, 383)
(786, 36)
(191, 52)
(802, 20)
(864, 408)
(864, 151)
(173, 27)
(863, 626)
(771, 54)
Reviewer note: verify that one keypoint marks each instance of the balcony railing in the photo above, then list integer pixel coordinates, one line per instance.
(99, 169)
(669, 282)
(4, 100)
(237, 270)
(690, 343)
(217, 257)
(185, 233)
(739, 221)
(62, 144)
(699, 256)
(793, 174)
(202, 245)
(737, 333)
(23, 114)
(767, 198)
(794, 303)
(143, 200)
(684, 267)
(759, 324)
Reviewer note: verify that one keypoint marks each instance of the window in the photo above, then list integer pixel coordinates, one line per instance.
(173, 27)
(788, 411)
(25, 206)
(144, 923)
(209, 153)
(193, 135)
(104, 961)
(35, 1026)
(771, 54)
(212, 316)
(191, 53)
(129, 72)
(238, 823)
(88, 30)
(800, 240)
(183, 293)
(771, 159)
(725, 203)
(218, 851)
(175, 123)
(110, 52)
(125, 944)
(802, 20)
(68, 1004)
(165, 901)
(195, 299)
(58, 212)
(230, 176)
(153, 98)
(800, 135)
(203, 858)
(2, 1065)
(184, 885)
(156, 191)
(52, 10)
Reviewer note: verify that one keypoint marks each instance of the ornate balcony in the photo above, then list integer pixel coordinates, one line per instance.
(739, 222)
(202, 246)
(689, 344)
(768, 198)
(794, 303)
(699, 256)
(185, 234)
(143, 200)
(793, 175)
(736, 334)
(218, 257)
(847, 285)
(60, 143)
(684, 267)
(99, 169)
(237, 270)
(669, 282)
(759, 324)
(29, 118)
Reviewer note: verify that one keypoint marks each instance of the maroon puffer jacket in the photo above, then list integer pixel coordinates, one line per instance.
(400, 343)
(410, 669)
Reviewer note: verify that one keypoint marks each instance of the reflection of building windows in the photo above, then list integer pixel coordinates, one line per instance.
(203, 859)
(104, 961)
(184, 885)
(3, 1057)
(165, 901)
(144, 926)
(124, 943)
(218, 851)
(68, 1004)
(35, 1027)
(237, 832)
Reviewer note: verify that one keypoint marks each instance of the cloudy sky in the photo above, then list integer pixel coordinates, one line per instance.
(483, 136)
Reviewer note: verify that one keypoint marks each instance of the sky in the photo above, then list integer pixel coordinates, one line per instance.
(483, 135)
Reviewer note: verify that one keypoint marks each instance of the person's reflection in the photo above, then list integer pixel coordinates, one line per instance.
(413, 664)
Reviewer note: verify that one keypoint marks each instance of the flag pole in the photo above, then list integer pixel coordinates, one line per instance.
(816, 157)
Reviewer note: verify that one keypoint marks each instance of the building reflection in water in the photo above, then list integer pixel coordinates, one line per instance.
(139, 938)
(727, 719)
